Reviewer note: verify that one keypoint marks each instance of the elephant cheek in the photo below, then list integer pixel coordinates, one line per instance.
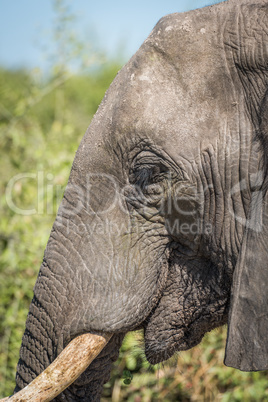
(109, 280)
(183, 213)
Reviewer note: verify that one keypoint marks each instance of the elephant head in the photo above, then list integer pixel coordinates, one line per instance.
(164, 221)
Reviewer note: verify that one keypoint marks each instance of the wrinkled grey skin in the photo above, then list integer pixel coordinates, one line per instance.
(166, 189)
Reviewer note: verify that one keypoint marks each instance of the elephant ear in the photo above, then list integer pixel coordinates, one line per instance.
(247, 340)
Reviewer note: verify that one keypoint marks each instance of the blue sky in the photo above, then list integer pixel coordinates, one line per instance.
(26, 25)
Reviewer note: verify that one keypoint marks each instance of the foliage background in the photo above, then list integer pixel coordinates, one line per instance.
(42, 120)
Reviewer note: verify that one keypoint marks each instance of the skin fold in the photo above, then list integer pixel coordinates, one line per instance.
(160, 202)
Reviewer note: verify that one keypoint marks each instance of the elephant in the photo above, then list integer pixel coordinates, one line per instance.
(163, 225)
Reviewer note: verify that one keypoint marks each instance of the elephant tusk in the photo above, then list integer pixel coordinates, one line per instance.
(64, 370)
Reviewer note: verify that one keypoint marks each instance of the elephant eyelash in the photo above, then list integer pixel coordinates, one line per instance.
(143, 177)
(146, 175)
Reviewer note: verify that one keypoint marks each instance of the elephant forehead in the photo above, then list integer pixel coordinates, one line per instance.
(164, 115)
(174, 99)
(174, 93)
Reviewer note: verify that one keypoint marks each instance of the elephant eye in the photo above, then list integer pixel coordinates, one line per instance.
(145, 175)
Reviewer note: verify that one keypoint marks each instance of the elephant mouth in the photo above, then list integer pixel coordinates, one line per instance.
(160, 347)
(194, 289)
(158, 350)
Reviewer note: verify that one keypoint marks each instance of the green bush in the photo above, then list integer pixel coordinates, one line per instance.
(40, 131)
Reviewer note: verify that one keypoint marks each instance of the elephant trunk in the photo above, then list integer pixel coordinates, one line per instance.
(40, 342)
(53, 355)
